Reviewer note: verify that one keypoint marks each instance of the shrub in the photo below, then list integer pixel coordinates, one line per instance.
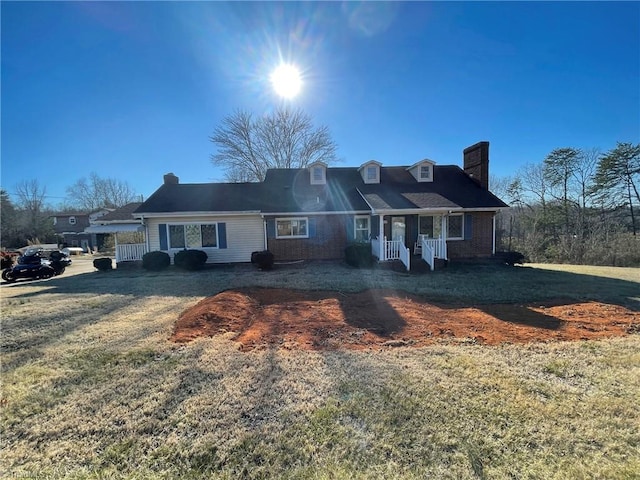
(190, 259)
(263, 259)
(7, 259)
(156, 260)
(103, 264)
(510, 258)
(358, 255)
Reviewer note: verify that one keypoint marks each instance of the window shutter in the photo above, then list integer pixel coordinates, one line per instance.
(271, 228)
(351, 234)
(162, 232)
(312, 227)
(222, 235)
(468, 226)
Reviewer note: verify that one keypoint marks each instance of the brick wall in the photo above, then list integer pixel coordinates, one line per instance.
(328, 243)
(481, 242)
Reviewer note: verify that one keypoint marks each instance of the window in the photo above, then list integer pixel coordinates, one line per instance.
(430, 226)
(372, 172)
(317, 174)
(193, 236)
(209, 235)
(291, 228)
(72, 220)
(361, 229)
(455, 227)
(425, 172)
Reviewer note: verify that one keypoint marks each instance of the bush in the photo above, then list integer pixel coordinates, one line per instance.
(190, 259)
(263, 259)
(510, 258)
(103, 264)
(358, 255)
(7, 259)
(156, 260)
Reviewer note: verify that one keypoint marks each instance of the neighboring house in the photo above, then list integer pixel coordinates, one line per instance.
(70, 229)
(315, 212)
(128, 232)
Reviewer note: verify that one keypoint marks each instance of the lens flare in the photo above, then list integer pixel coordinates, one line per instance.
(286, 80)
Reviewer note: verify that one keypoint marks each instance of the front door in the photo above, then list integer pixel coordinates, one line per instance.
(398, 228)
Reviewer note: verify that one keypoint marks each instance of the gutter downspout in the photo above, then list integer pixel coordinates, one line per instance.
(264, 231)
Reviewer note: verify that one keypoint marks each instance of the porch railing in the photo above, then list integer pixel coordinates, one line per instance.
(391, 250)
(130, 251)
(427, 253)
(438, 245)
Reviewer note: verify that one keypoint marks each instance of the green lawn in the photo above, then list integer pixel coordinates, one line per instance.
(92, 388)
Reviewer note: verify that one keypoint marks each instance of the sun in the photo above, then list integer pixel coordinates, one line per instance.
(286, 80)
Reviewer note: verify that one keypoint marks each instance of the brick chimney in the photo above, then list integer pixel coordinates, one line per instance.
(171, 179)
(476, 163)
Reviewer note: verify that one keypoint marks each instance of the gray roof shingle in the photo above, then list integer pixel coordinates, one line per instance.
(290, 191)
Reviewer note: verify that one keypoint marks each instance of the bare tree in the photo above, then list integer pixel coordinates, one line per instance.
(31, 195)
(286, 138)
(96, 192)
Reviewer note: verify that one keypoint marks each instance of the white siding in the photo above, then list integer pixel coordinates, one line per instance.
(245, 234)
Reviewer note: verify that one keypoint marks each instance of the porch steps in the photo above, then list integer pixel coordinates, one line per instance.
(420, 266)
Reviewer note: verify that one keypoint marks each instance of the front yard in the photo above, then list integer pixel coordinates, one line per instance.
(94, 387)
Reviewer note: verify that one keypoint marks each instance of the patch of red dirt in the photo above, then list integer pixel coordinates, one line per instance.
(263, 317)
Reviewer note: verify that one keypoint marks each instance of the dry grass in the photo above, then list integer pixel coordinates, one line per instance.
(91, 388)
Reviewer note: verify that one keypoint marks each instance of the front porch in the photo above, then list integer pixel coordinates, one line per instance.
(129, 239)
(427, 249)
(425, 237)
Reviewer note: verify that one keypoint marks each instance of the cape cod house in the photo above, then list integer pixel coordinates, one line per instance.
(421, 212)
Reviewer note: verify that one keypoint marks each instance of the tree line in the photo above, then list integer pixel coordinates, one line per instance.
(575, 206)
(26, 215)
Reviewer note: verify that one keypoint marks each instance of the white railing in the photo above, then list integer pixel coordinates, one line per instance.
(428, 254)
(130, 251)
(405, 255)
(438, 245)
(395, 250)
(392, 249)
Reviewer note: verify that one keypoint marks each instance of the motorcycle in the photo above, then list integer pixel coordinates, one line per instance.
(33, 265)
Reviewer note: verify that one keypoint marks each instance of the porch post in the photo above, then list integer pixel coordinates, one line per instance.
(115, 236)
(443, 235)
(381, 238)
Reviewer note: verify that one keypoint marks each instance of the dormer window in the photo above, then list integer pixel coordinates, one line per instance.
(370, 172)
(318, 172)
(72, 220)
(422, 171)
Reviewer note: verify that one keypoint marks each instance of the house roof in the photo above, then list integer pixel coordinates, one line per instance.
(450, 189)
(120, 214)
(203, 197)
(290, 191)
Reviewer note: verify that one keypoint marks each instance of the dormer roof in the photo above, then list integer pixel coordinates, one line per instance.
(317, 173)
(370, 171)
(423, 170)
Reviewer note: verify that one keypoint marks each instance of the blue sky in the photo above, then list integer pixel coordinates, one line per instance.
(133, 90)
